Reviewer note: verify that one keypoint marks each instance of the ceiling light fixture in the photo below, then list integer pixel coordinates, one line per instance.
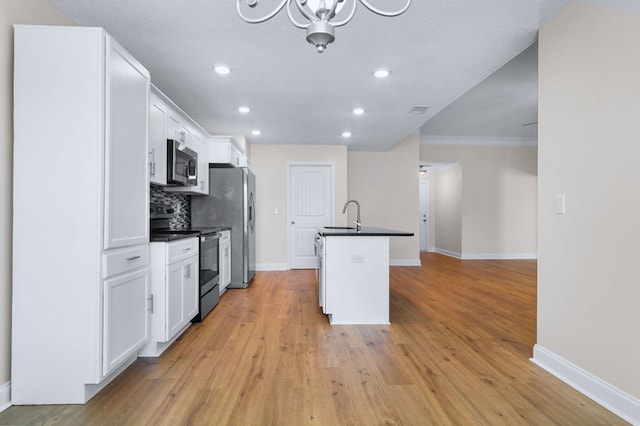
(256, 132)
(318, 13)
(244, 110)
(382, 73)
(222, 69)
(346, 134)
(358, 111)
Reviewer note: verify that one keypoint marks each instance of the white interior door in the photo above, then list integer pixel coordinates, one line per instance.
(424, 216)
(310, 207)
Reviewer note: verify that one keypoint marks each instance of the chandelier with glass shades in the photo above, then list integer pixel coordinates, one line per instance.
(318, 13)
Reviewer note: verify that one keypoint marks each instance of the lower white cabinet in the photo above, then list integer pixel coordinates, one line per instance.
(174, 289)
(126, 325)
(225, 260)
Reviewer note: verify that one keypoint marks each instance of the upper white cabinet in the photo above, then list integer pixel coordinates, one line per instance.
(80, 245)
(126, 181)
(226, 151)
(158, 116)
(179, 126)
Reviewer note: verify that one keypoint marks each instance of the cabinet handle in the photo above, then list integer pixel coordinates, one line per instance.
(132, 258)
(187, 249)
(152, 163)
(150, 305)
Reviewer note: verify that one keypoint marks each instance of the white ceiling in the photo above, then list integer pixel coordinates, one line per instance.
(504, 105)
(437, 51)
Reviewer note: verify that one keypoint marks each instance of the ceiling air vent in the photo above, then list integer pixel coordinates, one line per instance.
(418, 109)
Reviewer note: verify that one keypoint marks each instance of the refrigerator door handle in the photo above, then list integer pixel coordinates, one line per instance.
(251, 211)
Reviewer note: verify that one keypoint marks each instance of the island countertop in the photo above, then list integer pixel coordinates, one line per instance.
(365, 231)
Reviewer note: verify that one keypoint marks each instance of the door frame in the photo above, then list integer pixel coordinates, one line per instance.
(423, 198)
(332, 197)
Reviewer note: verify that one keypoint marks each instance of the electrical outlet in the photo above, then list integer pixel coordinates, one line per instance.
(357, 258)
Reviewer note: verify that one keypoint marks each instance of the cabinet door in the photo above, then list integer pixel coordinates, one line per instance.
(190, 290)
(126, 168)
(174, 318)
(174, 126)
(157, 141)
(126, 319)
(203, 168)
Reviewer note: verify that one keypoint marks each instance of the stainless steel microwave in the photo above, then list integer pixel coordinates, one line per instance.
(182, 164)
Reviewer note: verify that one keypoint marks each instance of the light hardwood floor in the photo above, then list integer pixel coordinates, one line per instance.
(457, 352)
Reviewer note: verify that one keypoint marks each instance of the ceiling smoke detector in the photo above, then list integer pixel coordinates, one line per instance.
(418, 109)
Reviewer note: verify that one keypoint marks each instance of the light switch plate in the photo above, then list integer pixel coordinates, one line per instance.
(559, 204)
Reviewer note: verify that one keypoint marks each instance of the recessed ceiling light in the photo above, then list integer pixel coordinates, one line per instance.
(346, 134)
(358, 111)
(222, 69)
(244, 109)
(256, 132)
(382, 73)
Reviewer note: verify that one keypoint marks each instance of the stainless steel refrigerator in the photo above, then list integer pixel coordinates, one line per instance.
(231, 203)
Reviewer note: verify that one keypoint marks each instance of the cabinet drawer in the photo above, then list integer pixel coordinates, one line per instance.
(181, 249)
(118, 261)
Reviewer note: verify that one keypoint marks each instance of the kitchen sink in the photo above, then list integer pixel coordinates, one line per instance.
(339, 227)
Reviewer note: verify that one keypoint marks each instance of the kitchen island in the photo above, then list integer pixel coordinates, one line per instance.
(354, 274)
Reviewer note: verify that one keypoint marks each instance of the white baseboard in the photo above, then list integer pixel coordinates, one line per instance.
(272, 267)
(499, 256)
(5, 396)
(487, 256)
(610, 397)
(404, 262)
(449, 253)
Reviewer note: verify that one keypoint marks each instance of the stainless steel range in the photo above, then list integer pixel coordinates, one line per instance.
(209, 253)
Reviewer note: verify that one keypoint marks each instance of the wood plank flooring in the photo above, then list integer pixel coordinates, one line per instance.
(457, 353)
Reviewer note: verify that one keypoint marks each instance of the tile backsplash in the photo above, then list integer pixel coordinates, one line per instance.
(180, 202)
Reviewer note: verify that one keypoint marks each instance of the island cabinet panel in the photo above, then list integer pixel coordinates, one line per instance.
(356, 279)
(80, 204)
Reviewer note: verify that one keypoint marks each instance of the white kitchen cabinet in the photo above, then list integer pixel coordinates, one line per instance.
(158, 116)
(225, 151)
(225, 260)
(175, 289)
(179, 126)
(126, 177)
(80, 256)
(126, 325)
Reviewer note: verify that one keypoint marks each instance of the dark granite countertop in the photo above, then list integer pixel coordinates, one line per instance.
(366, 231)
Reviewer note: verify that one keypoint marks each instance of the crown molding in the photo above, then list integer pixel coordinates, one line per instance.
(479, 140)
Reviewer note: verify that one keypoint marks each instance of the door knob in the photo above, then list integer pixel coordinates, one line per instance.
(293, 222)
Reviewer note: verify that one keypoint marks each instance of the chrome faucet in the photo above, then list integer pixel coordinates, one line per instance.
(344, 210)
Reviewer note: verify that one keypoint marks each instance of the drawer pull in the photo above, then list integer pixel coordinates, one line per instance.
(132, 258)
(187, 249)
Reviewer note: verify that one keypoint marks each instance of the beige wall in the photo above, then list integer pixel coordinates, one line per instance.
(499, 197)
(270, 165)
(12, 12)
(588, 291)
(448, 210)
(386, 186)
